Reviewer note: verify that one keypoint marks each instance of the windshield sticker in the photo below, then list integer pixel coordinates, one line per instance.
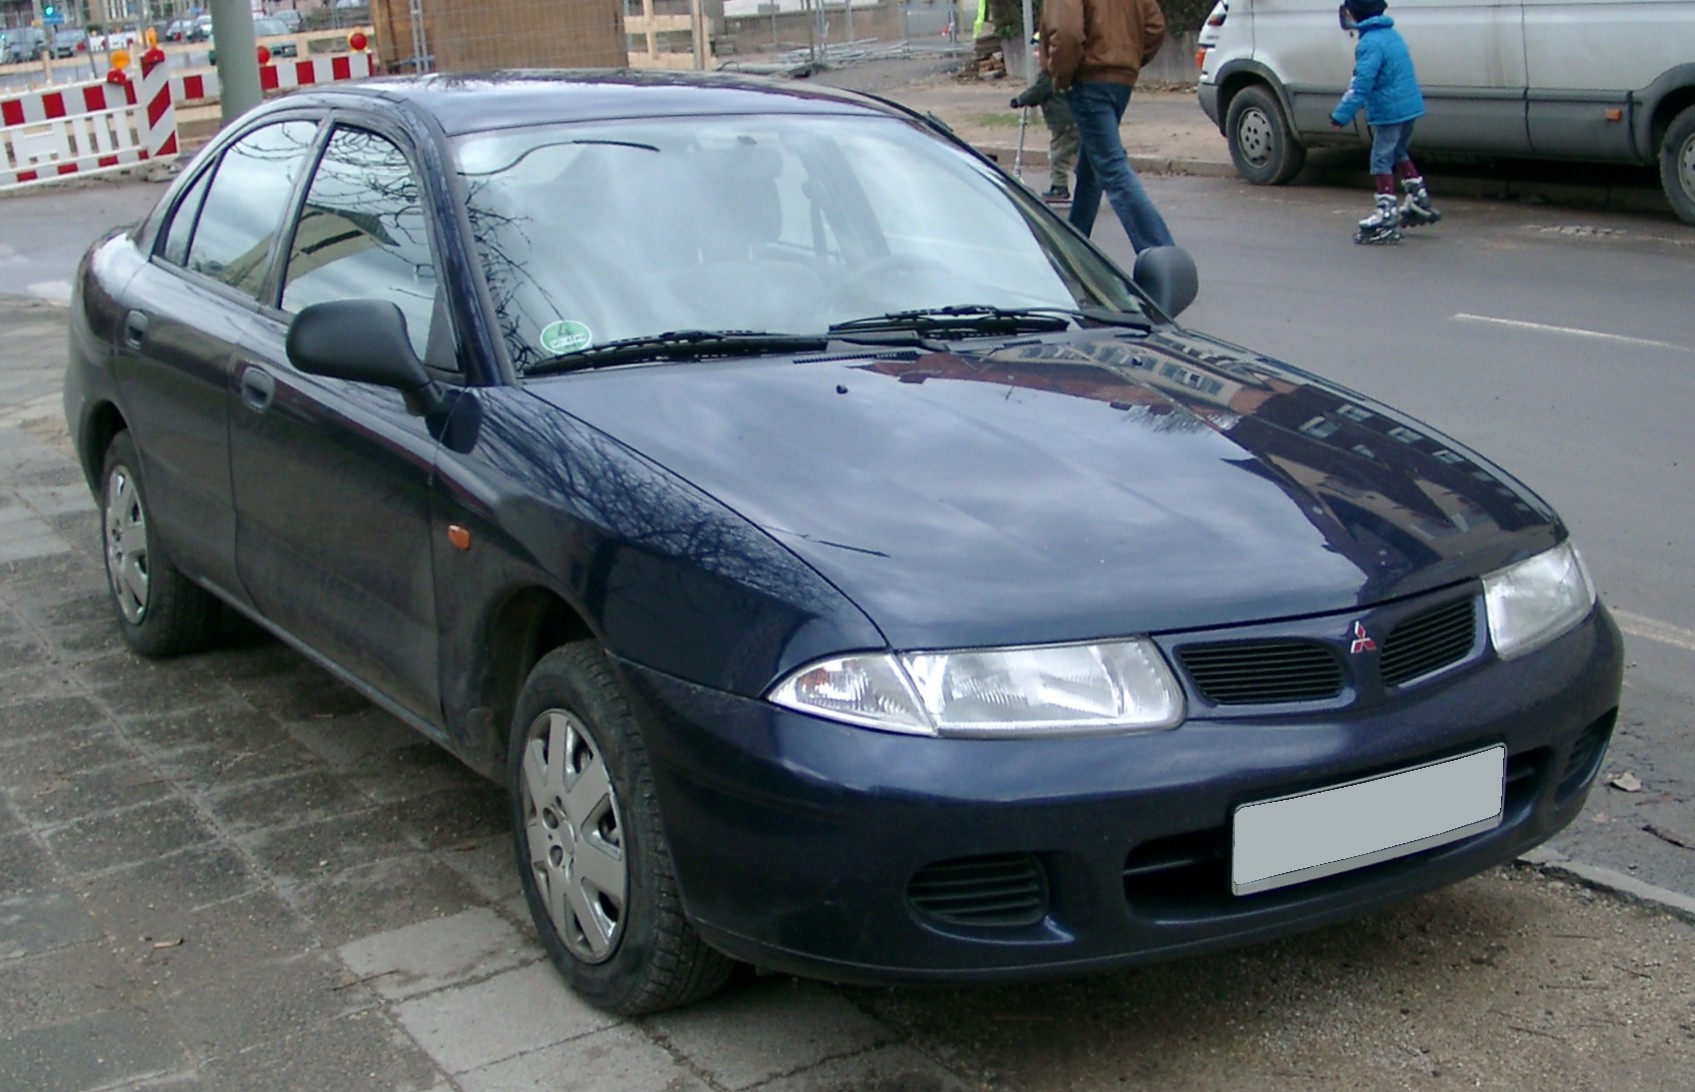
(566, 336)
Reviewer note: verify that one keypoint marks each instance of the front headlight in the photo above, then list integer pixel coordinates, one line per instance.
(1536, 600)
(1118, 686)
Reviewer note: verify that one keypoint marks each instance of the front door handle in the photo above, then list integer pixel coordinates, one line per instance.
(135, 328)
(257, 388)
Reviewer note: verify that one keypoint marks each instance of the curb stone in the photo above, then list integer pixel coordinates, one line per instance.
(1551, 862)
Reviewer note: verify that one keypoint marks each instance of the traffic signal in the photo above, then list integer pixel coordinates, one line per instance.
(49, 10)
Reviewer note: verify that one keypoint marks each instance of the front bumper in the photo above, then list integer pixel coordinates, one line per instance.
(1208, 94)
(815, 848)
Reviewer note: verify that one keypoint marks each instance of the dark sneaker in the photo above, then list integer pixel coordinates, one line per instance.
(1057, 195)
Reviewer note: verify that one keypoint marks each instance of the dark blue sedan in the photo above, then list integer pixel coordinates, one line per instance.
(846, 567)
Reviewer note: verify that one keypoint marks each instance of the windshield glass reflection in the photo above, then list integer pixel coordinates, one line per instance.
(598, 232)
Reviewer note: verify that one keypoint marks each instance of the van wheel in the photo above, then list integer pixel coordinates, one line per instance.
(1262, 145)
(1677, 165)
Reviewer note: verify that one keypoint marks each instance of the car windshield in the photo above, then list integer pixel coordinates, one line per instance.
(601, 232)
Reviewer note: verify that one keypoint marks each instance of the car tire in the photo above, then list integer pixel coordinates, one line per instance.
(591, 848)
(160, 611)
(1262, 145)
(1677, 165)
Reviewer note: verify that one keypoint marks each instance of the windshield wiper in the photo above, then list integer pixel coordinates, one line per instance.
(976, 318)
(969, 318)
(679, 345)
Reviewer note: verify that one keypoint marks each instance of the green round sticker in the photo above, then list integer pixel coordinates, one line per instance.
(566, 337)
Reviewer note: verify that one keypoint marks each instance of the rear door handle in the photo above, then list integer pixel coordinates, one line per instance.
(257, 388)
(135, 328)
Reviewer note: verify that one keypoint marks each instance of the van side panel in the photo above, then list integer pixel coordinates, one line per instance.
(1469, 58)
(1586, 59)
(1470, 63)
(1302, 42)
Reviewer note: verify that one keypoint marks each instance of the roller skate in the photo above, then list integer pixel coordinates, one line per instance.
(1416, 209)
(1382, 226)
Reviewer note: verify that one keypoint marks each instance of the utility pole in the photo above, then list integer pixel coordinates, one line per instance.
(238, 60)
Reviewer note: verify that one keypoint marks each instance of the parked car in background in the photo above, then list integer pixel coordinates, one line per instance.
(69, 42)
(289, 18)
(267, 32)
(200, 30)
(845, 566)
(179, 30)
(1602, 80)
(26, 44)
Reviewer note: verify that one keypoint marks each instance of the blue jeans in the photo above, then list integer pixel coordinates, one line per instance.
(1099, 107)
(1389, 146)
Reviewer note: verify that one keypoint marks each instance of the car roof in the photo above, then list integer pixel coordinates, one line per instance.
(472, 102)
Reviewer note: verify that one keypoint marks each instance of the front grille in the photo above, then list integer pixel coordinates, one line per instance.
(1262, 672)
(1429, 642)
(1006, 889)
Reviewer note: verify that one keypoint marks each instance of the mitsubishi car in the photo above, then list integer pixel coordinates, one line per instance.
(845, 566)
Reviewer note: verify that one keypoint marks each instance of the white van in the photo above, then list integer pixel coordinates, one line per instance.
(1609, 80)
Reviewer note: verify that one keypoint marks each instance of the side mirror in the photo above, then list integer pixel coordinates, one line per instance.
(1169, 277)
(362, 341)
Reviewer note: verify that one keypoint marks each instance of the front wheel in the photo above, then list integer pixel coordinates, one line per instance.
(1677, 165)
(1262, 144)
(592, 852)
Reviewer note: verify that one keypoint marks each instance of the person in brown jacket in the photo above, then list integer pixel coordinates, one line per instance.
(1094, 50)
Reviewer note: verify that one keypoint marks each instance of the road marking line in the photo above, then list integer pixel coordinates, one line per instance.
(1638, 626)
(1544, 328)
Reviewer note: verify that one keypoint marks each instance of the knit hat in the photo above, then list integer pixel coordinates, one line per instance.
(1362, 10)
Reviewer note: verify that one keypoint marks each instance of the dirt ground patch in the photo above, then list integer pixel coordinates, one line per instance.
(1512, 980)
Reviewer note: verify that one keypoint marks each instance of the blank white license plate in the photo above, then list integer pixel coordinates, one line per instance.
(1313, 834)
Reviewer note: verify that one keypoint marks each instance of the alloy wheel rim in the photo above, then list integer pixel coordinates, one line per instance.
(575, 835)
(126, 545)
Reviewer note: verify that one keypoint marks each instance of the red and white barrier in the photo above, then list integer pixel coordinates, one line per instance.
(283, 75)
(81, 129)
(92, 128)
(155, 102)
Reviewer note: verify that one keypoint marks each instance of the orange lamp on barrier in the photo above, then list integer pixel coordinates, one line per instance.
(152, 38)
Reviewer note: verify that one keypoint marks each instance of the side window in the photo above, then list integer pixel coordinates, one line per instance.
(363, 233)
(182, 221)
(245, 204)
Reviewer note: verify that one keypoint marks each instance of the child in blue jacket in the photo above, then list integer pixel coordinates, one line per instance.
(1385, 84)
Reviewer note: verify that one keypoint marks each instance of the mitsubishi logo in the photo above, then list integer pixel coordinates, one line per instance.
(1362, 640)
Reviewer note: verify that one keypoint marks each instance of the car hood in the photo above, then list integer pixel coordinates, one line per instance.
(1072, 487)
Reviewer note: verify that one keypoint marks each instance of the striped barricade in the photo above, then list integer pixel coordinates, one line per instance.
(91, 128)
(82, 129)
(280, 75)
